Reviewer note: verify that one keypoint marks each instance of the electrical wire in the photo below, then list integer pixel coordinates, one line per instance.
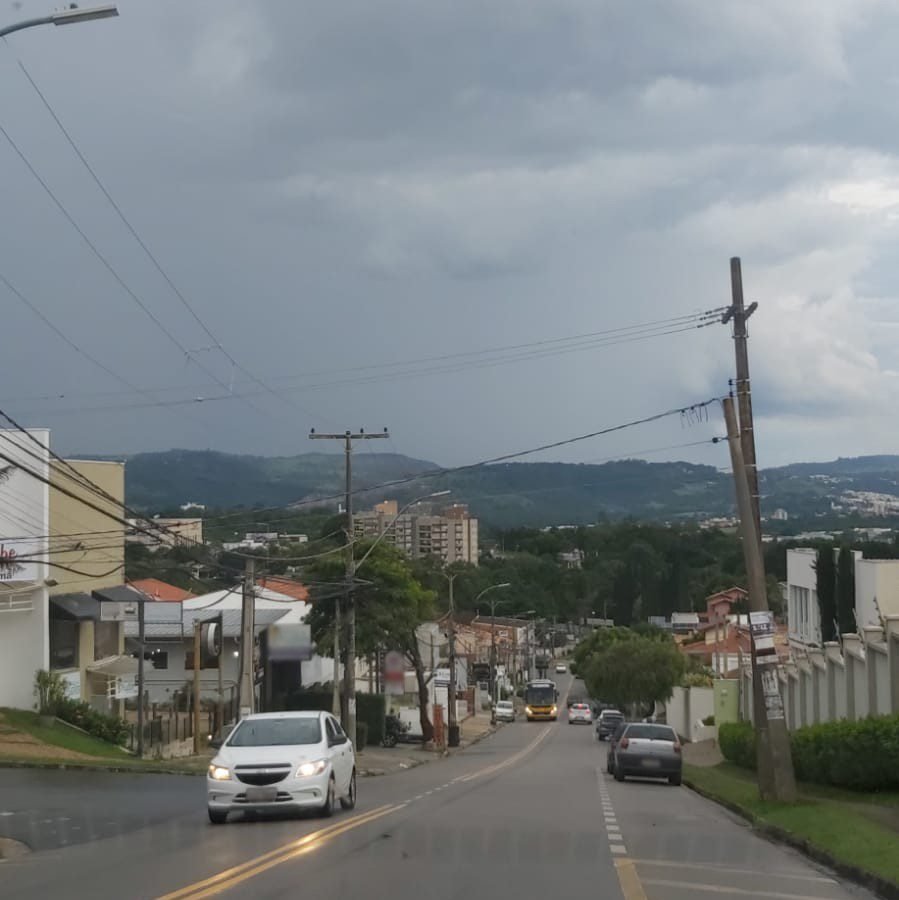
(143, 245)
(112, 270)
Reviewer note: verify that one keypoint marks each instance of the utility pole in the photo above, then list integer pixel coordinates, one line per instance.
(774, 763)
(247, 678)
(452, 726)
(740, 314)
(197, 651)
(141, 637)
(349, 720)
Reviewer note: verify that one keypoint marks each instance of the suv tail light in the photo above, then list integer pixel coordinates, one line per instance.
(622, 744)
(677, 747)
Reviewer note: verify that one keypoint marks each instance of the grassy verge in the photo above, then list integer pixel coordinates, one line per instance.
(855, 830)
(61, 735)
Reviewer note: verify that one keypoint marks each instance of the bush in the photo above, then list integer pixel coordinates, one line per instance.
(371, 709)
(49, 690)
(737, 743)
(860, 756)
(82, 715)
(709, 720)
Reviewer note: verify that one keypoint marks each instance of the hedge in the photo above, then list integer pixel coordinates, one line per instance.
(84, 716)
(737, 743)
(370, 709)
(861, 756)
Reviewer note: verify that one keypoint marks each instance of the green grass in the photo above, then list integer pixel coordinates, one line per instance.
(60, 735)
(853, 828)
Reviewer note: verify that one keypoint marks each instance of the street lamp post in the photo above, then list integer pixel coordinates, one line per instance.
(493, 587)
(452, 726)
(69, 16)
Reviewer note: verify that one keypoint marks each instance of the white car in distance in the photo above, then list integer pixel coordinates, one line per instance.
(282, 761)
(504, 711)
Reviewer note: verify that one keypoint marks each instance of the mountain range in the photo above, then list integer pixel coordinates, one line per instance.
(513, 494)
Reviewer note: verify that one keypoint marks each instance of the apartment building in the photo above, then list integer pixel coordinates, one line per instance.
(452, 535)
(157, 532)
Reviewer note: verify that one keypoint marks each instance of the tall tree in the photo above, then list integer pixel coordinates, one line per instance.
(846, 591)
(826, 587)
(634, 673)
(390, 605)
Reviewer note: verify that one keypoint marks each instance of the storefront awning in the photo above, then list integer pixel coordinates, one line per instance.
(79, 606)
(114, 666)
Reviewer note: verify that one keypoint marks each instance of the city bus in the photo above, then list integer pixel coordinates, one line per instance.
(540, 698)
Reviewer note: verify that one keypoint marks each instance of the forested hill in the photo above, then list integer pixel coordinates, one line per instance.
(509, 494)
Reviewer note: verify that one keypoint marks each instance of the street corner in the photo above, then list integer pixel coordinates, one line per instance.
(11, 849)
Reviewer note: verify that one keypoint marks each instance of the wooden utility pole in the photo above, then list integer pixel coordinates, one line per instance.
(197, 627)
(348, 720)
(247, 679)
(776, 779)
(452, 726)
(740, 314)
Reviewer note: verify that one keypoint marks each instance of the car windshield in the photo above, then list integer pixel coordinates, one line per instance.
(651, 732)
(612, 717)
(504, 704)
(288, 731)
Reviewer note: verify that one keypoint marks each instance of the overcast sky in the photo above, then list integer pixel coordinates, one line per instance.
(356, 183)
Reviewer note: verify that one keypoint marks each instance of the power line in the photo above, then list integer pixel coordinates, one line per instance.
(111, 269)
(143, 245)
(392, 376)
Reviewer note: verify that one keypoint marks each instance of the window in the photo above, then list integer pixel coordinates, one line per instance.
(106, 639)
(63, 644)
(159, 659)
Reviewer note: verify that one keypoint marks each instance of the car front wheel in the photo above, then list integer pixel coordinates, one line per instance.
(327, 809)
(217, 816)
(619, 775)
(675, 780)
(349, 802)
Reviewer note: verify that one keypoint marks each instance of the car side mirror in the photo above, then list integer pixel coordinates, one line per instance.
(337, 741)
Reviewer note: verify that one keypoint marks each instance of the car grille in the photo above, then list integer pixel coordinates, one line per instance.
(260, 776)
(282, 797)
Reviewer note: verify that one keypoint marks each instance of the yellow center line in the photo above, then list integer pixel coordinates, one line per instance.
(313, 838)
(631, 886)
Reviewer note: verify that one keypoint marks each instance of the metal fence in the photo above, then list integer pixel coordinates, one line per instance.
(164, 727)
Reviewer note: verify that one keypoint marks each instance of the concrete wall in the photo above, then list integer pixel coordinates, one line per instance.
(687, 708)
(876, 590)
(97, 542)
(825, 685)
(24, 648)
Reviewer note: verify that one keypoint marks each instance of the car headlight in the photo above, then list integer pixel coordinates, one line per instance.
(528, 710)
(307, 769)
(219, 773)
(554, 710)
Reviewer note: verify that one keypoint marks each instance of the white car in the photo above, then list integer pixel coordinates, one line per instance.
(282, 761)
(504, 711)
(561, 669)
(580, 713)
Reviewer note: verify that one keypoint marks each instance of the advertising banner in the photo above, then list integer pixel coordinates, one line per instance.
(24, 518)
(394, 673)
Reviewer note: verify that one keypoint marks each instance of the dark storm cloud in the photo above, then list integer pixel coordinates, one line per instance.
(339, 184)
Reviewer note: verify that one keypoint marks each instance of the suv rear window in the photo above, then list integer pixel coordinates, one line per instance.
(651, 732)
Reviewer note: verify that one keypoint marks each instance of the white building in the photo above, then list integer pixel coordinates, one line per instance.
(801, 596)
(24, 601)
(876, 590)
(876, 593)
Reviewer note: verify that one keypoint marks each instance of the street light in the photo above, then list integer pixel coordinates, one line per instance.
(493, 587)
(350, 724)
(70, 16)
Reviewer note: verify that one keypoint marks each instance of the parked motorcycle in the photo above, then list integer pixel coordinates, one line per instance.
(395, 731)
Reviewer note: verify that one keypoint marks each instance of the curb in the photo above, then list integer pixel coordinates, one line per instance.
(475, 740)
(889, 890)
(374, 773)
(92, 767)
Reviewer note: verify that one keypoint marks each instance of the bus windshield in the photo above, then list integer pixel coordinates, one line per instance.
(540, 695)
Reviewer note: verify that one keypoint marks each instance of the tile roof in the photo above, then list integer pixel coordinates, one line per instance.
(161, 590)
(284, 586)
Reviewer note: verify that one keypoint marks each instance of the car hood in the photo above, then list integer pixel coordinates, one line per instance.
(249, 756)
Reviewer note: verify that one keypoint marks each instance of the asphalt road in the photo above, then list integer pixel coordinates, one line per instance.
(528, 813)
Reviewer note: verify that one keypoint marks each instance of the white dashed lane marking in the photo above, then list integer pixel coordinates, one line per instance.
(613, 831)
